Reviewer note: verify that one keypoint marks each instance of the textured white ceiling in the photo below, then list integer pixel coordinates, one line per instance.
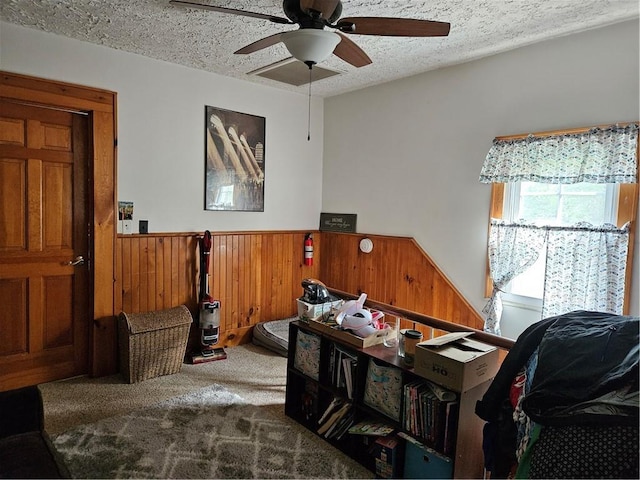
(206, 40)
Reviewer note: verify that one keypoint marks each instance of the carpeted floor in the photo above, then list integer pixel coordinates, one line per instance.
(209, 433)
(253, 373)
(256, 374)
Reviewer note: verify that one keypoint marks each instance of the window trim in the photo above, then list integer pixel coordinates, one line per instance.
(627, 212)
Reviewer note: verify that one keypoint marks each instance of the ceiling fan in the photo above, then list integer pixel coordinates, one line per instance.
(312, 44)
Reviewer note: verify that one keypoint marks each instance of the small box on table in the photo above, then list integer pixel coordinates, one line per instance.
(316, 311)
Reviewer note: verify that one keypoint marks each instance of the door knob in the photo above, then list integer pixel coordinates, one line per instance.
(78, 261)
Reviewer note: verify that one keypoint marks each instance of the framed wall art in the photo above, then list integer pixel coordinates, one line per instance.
(234, 160)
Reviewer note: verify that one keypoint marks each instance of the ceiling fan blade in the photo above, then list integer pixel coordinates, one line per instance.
(325, 7)
(260, 44)
(351, 53)
(244, 13)
(393, 27)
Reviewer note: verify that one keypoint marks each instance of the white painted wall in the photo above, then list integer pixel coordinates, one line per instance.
(161, 132)
(406, 156)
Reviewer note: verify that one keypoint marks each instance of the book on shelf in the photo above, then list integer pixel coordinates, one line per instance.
(409, 406)
(342, 368)
(421, 409)
(430, 413)
(443, 394)
(430, 399)
(349, 365)
(332, 356)
(335, 422)
(339, 428)
(336, 402)
(308, 400)
(333, 418)
(451, 427)
(374, 428)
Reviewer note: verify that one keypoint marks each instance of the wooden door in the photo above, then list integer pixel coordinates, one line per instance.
(44, 299)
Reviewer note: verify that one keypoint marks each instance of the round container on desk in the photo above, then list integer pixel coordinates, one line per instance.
(391, 340)
(411, 339)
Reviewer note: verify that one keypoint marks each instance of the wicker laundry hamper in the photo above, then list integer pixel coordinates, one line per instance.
(153, 343)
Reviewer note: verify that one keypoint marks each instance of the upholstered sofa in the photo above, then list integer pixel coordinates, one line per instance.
(25, 448)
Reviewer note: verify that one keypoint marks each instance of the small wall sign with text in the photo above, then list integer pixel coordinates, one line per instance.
(338, 222)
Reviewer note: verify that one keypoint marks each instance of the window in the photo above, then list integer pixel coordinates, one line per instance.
(558, 204)
(570, 195)
(619, 205)
(547, 204)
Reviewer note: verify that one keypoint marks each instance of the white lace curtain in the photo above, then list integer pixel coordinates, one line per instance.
(586, 265)
(585, 269)
(512, 249)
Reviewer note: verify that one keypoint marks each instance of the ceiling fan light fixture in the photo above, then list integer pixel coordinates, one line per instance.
(310, 45)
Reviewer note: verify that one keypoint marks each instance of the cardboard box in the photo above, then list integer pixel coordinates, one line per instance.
(310, 311)
(456, 362)
(387, 456)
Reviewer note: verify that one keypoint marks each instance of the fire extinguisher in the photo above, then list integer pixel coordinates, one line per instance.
(308, 249)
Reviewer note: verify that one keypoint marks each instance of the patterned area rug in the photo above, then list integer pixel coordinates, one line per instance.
(211, 433)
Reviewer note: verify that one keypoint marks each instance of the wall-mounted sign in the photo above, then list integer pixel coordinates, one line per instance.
(338, 222)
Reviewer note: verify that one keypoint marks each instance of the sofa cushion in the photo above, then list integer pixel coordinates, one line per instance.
(21, 411)
(29, 455)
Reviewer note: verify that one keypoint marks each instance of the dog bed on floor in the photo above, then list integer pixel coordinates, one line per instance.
(273, 335)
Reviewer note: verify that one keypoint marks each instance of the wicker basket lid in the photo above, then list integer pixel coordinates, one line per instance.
(149, 321)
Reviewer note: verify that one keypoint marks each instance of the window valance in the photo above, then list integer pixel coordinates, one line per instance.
(598, 155)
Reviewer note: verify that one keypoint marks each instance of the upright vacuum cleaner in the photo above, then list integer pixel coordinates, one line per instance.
(209, 311)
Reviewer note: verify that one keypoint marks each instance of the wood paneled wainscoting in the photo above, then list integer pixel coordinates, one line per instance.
(256, 275)
(397, 272)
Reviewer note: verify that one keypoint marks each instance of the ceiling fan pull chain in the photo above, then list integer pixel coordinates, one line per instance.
(309, 106)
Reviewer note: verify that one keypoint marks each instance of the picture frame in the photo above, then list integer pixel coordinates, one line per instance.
(234, 160)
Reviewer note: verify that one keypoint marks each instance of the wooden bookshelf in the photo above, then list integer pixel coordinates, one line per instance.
(309, 395)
